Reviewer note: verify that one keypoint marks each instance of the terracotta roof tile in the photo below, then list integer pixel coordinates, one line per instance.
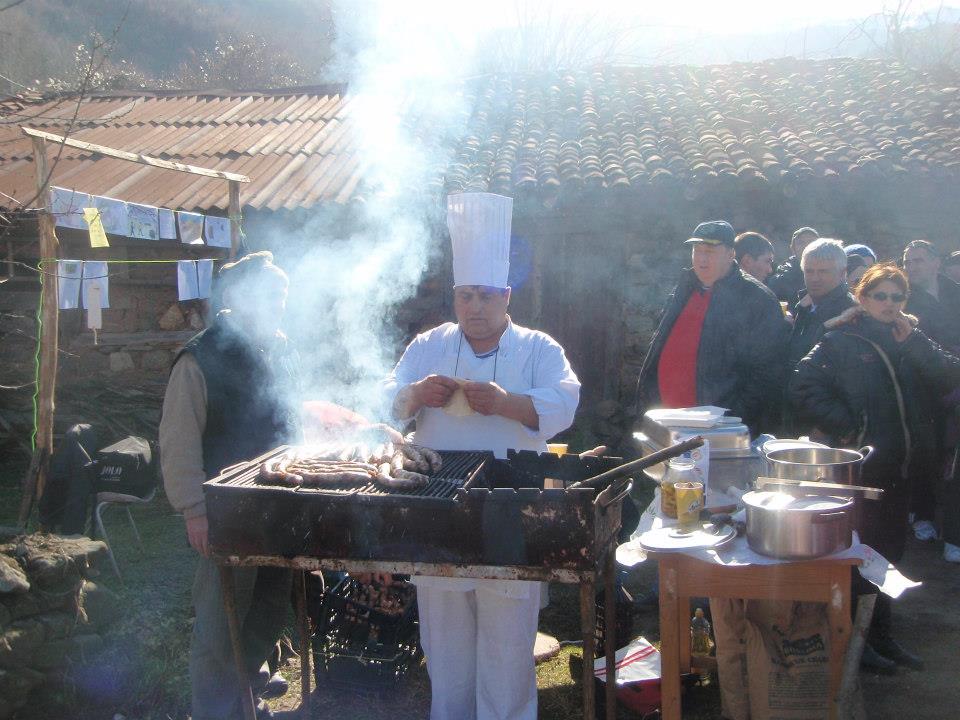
(775, 123)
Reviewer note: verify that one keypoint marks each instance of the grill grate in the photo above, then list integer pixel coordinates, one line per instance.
(459, 468)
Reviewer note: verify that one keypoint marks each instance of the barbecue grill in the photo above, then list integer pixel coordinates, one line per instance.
(519, 518)
(476, 510)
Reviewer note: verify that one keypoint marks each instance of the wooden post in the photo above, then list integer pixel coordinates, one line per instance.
(229, 588)
(49, 332)
(588, 628)
(233, 211)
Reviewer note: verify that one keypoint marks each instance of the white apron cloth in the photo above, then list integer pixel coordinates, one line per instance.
(478, 635)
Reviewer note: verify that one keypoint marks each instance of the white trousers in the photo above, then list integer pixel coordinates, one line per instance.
(479, 648)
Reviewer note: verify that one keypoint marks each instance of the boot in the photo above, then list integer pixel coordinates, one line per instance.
(890, 648)
(874, 662)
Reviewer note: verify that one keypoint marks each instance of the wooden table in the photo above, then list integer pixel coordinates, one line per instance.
(604, 572)
(683, 576)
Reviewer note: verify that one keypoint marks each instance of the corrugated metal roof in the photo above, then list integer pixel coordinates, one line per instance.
(295, 147)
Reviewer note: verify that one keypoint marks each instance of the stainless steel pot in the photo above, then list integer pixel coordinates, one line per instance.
(783, 526)
(815, 464)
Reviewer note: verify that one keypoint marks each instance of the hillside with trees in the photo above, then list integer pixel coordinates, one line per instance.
(44, 44)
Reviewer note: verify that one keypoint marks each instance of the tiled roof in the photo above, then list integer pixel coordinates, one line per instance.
(777, 123)
(774, 122)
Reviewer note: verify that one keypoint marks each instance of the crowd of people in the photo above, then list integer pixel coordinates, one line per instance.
(802, 349)
(837, 346)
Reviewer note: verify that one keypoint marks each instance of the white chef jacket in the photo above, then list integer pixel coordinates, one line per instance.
(527, 362)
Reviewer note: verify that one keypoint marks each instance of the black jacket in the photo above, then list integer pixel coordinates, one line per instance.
(250, 398)
(740, 361)
(808, 324)
(787, 281)
(939, 317)
(844, 389)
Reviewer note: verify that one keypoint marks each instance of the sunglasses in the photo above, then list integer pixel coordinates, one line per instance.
(882, 297)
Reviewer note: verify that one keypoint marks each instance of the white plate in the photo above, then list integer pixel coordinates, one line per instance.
(672, 539)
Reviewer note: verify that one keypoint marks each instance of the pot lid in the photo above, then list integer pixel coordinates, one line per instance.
(789, 444)
(670, 538)
(781, 501)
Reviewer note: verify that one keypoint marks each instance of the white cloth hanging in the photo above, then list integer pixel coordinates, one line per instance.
(69, 274)
(168, 224)
(187, 280)
(95, 270)
(190, 226)
(144, 222)
(67, 207)
(113, 215)
(204, 278)
(216, 231)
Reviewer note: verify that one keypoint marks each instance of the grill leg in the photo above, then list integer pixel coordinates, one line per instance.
(588, 624)
(230, 607)
(303, 629)
(610, 632)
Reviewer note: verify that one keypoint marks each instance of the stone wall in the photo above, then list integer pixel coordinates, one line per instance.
(52, 611)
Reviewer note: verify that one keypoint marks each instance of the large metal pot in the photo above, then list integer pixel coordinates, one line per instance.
(783, 526)
(818, 464)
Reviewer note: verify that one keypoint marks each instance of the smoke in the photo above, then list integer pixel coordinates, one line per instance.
(405, 109)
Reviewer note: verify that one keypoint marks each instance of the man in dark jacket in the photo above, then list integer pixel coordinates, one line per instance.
(227, 402)
(934, 298)
(787, 281)
(935, 301)
(824, 266)
(721, 338)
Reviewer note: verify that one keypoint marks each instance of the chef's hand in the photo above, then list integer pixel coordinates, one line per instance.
(598, 451)
(491, 399)
(382, 431)
(433, 391)
(486, 398)
(902, 328)
(197, 532)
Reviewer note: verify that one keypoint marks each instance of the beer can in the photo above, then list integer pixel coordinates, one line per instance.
(689, 503)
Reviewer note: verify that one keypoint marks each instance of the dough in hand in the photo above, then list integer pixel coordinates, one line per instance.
(458, 405)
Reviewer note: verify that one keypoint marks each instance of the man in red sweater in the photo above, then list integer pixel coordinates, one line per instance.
(721, 340)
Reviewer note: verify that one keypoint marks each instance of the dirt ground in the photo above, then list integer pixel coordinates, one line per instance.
(142, 676)
(926, 621)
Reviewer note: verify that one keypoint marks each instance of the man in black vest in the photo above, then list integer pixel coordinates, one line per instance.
(225, 403)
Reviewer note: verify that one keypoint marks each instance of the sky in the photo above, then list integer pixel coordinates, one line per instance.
(695, 14)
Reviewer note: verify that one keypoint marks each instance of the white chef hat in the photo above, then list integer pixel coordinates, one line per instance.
(479, 226)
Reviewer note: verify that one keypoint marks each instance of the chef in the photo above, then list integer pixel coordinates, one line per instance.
(482, 383)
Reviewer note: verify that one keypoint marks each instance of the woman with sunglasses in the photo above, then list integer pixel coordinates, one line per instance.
(872, 380)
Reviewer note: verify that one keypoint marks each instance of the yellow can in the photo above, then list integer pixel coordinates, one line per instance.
(689, 500)
(678, 470)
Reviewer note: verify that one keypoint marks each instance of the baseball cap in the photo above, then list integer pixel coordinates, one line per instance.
(713, 232)
(862, 250)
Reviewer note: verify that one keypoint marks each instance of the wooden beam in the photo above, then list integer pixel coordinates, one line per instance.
(135, 157)
(233, 212)
(35, 480)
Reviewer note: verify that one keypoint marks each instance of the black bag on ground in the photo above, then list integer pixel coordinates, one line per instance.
(65, 503)
(126, 467)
